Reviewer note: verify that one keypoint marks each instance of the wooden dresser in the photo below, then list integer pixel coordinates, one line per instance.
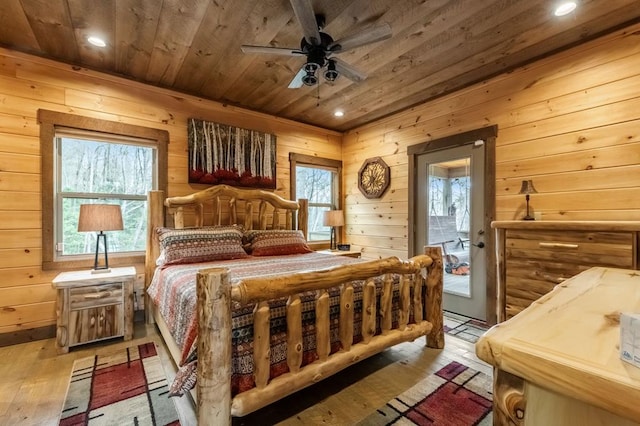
(534, 256)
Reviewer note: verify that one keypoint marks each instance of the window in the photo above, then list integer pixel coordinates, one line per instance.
(319, 181)
(86, 161)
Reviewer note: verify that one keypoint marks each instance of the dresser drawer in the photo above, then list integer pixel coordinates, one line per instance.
(93, 296)
(571, 248)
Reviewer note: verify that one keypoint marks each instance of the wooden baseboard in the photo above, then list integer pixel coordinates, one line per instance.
(24, 336)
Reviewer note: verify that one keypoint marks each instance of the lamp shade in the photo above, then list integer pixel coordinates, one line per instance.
(100, 217)
(527, 187)
(333, 218)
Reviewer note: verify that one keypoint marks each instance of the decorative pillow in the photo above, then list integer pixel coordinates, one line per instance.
(193, 245)
(275, 242)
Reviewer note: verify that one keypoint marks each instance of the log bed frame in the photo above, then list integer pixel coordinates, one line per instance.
(215, 294)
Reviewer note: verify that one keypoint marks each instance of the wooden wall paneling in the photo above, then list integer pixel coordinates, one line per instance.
(10, 162)
(26, 276)
(18, 317)
(606, 178)
(386, 231)
(22, 182)
(19, 144)
(23, 295)
(600, 158)
(590, 138)
(387, 243)
(20, 257)
(598, 115)
(10, 238)
(610, 199)
(32, 89)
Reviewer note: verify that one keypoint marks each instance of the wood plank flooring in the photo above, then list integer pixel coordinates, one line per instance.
(34, 382)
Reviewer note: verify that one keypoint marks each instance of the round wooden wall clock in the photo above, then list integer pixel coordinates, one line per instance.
(374, 177)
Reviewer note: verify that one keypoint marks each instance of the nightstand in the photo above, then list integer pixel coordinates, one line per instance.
(92, 307)
(347, 253)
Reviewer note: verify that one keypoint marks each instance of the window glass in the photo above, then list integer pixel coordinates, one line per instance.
(98, 171)
(318, 185)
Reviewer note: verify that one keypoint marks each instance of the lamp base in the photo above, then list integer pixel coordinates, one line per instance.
(527, 217)
(101, 271)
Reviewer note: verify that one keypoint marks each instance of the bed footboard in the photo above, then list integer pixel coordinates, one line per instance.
(215, 295)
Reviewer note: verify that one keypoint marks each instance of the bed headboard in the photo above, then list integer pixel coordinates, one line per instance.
(220, 205)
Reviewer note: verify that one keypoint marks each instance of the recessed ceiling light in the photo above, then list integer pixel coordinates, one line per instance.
(565, 8)
(338, 113)
(96, 41)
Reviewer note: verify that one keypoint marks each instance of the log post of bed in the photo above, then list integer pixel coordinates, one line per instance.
(214, 344)
(214, 322)
(155, 219)
(433, 306)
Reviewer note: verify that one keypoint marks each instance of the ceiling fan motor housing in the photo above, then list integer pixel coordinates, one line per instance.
(316, 59)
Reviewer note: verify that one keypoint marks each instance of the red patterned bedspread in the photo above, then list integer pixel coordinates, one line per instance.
(173, 290)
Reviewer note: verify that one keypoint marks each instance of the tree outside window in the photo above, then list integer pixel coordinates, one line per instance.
(98, 172)
(317, 180)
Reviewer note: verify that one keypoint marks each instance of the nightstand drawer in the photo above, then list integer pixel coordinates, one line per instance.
(96, 295)
(87, 325)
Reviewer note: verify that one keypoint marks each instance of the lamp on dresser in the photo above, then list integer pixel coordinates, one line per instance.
(527, 188)
(100, 218)
(333, 218)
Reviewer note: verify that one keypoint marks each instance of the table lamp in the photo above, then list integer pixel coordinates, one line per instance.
(100, 218)
(333, 218)
(527, 188)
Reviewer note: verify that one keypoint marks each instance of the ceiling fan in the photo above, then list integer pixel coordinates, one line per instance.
(320, 48)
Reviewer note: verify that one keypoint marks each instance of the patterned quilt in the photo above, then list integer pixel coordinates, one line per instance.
(173, 290)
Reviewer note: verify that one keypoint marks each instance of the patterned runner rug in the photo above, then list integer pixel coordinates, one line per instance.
(126, 386)
(465, 328)
(455, 395)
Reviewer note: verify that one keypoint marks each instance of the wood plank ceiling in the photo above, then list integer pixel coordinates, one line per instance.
(193, 46)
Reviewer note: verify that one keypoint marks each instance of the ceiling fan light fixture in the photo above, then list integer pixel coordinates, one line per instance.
(311, 67)
(331, 73)
(310, 79)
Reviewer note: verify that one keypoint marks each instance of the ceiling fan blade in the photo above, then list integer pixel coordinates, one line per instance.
(271, 50)
(303, 9)
(297, 83)
(348, 71)
(367, 36)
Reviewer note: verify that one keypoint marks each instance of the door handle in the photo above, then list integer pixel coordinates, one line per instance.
(479, 245)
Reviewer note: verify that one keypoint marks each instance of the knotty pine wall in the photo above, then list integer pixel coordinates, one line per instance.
(570, 122)
(27, 83)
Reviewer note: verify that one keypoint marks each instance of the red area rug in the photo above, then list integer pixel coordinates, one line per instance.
(126, 386)
(455, 395)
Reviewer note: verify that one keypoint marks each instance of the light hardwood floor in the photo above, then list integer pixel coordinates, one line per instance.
(34, 382)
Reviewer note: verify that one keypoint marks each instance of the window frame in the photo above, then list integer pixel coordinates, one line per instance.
(296, 160)
(48, 121)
